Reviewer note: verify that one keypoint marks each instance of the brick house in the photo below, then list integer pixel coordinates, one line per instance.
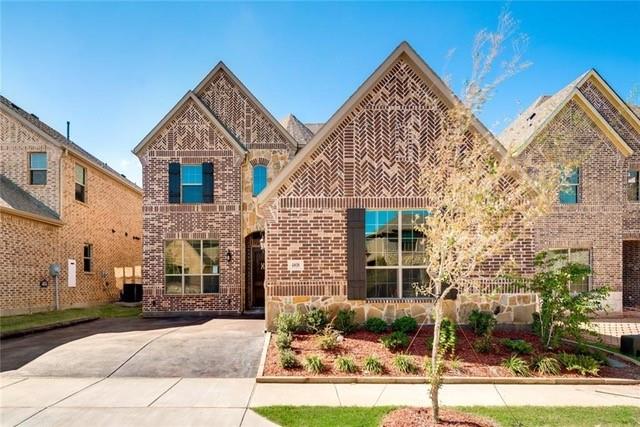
(350, 183)
(59, 204)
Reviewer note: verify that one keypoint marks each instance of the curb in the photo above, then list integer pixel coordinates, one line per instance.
(263, 357)
(445, 380)
(43, 328)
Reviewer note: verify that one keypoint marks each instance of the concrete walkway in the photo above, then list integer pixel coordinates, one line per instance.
(610, 330)
(158, 402)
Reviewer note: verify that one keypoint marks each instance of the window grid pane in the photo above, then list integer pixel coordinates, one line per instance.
(191, 266)
(38, 161)
(393, 243)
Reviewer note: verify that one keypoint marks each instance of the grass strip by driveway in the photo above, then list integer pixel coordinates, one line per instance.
(570, 416)
(27, 321)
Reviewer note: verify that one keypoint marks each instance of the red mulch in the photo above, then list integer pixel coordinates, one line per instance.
(361, 344)
(421, 417)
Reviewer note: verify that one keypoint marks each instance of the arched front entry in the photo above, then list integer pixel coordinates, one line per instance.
(254, 271)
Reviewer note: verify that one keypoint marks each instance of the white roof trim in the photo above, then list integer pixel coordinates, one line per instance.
(327, 128)
(190, 95)
(222, 66)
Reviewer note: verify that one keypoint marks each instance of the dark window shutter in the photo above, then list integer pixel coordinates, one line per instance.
(356, 256)
(207, 183)
(174, 182)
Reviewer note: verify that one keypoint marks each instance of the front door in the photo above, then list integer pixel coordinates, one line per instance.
(257, 275)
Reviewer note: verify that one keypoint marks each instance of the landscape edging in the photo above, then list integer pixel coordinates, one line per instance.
(445, 380)
(263, 357)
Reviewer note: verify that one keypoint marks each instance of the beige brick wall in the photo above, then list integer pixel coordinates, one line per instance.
(110, 220)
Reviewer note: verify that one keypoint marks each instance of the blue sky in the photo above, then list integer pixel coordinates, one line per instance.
(115, 69)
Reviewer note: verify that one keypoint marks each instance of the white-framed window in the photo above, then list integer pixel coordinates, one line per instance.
(87, 259)
(81, 183)
(395, 253)
(38, 168)
(570, 189)
(191, 183)
(192, 266)
(576, 256)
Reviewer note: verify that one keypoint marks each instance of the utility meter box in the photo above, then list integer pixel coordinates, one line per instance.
(54, 270)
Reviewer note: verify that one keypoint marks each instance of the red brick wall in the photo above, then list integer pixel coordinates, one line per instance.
(190, 138)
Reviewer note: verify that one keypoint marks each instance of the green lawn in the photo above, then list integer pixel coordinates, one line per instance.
(321, 416)
(26, 321)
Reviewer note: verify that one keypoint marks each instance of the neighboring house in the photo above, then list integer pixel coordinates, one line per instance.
(597, 218)
(59, 204)
(335, 227)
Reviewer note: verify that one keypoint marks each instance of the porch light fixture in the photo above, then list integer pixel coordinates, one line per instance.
(228, 255)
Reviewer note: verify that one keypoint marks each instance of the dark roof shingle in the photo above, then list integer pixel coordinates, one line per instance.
(12, 196)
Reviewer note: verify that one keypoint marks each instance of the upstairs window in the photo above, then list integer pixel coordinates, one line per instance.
(259, 179)
(37, 168)
(633, 185)
(81, 182)
(569, 190)
(88, 258)
(191, 183)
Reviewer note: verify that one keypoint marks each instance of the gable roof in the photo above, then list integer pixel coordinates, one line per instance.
(221, 66)
(48, 133)
(524, 129)
(17, 199)
(314, 127)
(191, 96)
(403, 49)
(298, 130)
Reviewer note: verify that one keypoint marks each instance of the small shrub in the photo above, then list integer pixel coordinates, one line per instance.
(581, 348)
(316, 320)
(288, 359)
(448, 336)
(519, 346)
(546, 365)
(406, 324)
(484, 344)
(346, 364)
(329, 339)
(345, 321)
(581, 363)
(405, 364)
(482, 322)
(373, 365)
(395, 341)
(289, 322)
(376, 325)
(284, 340)
(455, 363)
(517, 366)
(313, 364)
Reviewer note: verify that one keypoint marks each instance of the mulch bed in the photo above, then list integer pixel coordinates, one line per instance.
(361, 344)
(421, 417)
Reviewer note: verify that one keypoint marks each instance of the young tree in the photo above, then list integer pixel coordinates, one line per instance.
(480, 199)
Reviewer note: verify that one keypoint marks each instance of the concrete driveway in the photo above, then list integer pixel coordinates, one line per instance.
(187, 348)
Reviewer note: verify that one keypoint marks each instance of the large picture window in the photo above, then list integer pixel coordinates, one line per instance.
(395, 253)
(192, 266)
(576, 256)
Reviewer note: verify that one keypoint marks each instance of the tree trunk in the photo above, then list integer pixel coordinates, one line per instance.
(436, 379)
